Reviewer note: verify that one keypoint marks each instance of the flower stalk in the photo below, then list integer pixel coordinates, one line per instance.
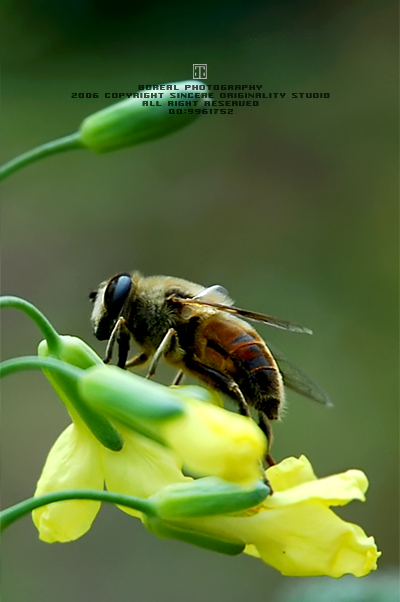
(194, 498)
(54, 147)
(14, 513)
(123, 124)
(204, 497)
(47, 329)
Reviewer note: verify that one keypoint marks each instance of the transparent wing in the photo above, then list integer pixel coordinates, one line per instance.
(297, 380)
(211, 290)
(250, 315)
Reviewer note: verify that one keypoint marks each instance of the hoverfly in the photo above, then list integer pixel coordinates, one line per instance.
(199, 331)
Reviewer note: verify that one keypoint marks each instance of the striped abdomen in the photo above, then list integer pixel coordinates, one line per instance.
(231, 347)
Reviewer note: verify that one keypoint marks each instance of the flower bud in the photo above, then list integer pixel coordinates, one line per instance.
(214, 441)
(167, 530)
(73, 351)
(127, 397)
(206, 497)
(210, 441)
(130, 122)
(76, 352)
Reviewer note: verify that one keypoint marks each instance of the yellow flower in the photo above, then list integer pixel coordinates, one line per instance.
(133, 435)
(158, 429)
(78, 461)
(208, 439)
(213, 441)
(294, 530)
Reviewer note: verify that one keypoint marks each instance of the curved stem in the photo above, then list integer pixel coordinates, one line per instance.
(39, 363)
(49, 332)
(98, 424)
(10, 515)
(44, 150)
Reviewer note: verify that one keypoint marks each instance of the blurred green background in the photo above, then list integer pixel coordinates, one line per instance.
(291, 206)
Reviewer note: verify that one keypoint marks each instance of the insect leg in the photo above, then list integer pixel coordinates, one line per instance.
(123, 347)
(177, 378)
(138, 360)
(244, 409)
(266, 428)
(115, 334)
(219, 380)
(161, 350)
(213, 377)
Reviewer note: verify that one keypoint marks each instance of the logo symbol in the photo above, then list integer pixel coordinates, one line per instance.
(199, 71)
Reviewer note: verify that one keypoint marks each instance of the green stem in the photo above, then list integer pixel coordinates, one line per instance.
(49, 332)
(98, 424)
(50, 148)
(39, 363)
(10, 515)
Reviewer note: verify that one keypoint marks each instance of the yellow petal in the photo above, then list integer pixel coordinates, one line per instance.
(73, 463)
(335, 490)
(309, 540)
(214, 442)
(295, 531)
(290, 473)
(141, 468)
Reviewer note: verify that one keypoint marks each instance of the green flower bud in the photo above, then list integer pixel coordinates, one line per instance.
(76, 352)
(167, 530)
(206, 497)
(73, 351)
(210, 441)
(128, 397)
(131, 122)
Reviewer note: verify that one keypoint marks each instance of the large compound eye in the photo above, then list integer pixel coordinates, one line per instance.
(116, 293)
